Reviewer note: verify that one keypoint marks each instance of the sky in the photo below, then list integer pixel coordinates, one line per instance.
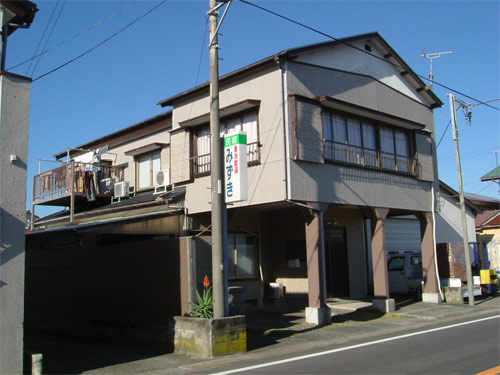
(125, 71)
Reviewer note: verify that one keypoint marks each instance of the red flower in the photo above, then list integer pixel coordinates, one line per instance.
(206, 282)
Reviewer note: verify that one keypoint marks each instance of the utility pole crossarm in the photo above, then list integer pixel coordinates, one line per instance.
(214, 12)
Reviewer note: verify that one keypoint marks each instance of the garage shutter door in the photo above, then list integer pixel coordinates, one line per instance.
(403, 234)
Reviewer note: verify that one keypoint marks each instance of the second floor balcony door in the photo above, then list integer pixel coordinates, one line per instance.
(147, 166)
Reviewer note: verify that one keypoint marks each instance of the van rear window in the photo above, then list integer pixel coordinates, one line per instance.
(396, 264)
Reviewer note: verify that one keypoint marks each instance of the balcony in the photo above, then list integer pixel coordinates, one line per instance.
(357, 156)
(75, 183)
(201, 164)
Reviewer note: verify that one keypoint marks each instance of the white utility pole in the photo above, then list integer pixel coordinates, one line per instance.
(217, 180)
(465, 235)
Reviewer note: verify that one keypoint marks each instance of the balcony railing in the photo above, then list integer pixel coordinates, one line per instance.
(201, 163)
(348, 154)
(59, 182)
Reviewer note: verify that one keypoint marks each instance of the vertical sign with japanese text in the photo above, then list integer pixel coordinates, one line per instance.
(235, 167)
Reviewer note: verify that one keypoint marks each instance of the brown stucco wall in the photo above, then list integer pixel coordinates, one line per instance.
(352, 220)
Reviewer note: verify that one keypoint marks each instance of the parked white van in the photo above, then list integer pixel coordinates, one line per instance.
(405, 273)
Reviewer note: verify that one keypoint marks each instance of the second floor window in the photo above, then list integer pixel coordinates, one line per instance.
(358, 141)
(246, 122)
(146, 167)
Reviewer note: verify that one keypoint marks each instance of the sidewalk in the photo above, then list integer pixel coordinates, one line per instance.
(272, 332)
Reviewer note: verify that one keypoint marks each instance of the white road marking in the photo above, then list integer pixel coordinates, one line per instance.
(299, 358)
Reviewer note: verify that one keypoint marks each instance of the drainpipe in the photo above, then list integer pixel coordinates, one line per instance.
(284, 106)
(434, 242)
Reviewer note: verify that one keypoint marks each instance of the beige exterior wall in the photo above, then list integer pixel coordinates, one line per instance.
(121, 158)
(266, 181)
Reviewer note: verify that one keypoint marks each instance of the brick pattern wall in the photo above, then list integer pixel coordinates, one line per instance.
(180, 170)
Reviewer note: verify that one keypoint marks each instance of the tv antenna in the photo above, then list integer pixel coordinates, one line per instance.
(431, 57)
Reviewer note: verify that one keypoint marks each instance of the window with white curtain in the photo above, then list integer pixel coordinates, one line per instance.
(147, 166)
(246, 122)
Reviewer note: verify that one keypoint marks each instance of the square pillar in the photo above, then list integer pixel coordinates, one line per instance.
(14, 129)
(430, 293)
(318, 312)
(381, 301)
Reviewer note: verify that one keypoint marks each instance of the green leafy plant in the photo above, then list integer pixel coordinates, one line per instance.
(204, 305)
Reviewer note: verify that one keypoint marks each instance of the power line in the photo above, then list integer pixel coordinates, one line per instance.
(201, 52)
(358, 49)
(43, 36)
(50, 34)
(447, 126)
(469, 155)
(75, 36)
(101, 43)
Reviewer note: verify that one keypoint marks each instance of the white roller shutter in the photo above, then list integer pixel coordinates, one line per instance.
(403, 234)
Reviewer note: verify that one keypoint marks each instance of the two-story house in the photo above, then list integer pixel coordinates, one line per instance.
(340, 138)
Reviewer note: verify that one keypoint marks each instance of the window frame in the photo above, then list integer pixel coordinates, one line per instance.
(232, 246)
(204, 168)
(348, 152)
(137, 159)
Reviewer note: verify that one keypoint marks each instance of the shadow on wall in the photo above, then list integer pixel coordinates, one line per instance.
(125, 291)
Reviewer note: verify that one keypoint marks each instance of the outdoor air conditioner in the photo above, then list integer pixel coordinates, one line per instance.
(161, 180)
(121, 189)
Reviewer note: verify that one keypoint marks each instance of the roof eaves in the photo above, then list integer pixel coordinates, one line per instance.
(117, 133)
(290, 53)
(171, 100)
(486, 219)
(450, 190)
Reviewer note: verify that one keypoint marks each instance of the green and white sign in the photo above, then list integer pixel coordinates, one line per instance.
(235, 167)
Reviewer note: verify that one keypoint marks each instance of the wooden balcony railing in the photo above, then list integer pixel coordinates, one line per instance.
(74, 178)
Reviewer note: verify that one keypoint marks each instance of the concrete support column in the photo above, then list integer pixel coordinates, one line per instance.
(317, 312)
(14, 128)
(185, 273)
(379, 258)
(430, 292)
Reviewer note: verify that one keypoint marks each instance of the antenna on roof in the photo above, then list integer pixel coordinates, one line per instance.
(431, 57)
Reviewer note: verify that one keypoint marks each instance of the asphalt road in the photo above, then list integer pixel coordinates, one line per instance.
(448, 349)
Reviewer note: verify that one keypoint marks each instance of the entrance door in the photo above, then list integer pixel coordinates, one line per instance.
(337, 267)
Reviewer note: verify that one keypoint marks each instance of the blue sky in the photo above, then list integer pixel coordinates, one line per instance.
(119, 83)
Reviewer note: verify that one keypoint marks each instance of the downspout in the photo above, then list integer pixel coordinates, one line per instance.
(434, 242)
(284, 106)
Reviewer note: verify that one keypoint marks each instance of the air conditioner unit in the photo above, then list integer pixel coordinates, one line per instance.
(106, 186)
(121, 189)
(161, 180)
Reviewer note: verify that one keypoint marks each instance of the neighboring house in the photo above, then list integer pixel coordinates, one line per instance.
(488, 234)
(403, 233)
(449, 238)
(338, 142)
(487, 224)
